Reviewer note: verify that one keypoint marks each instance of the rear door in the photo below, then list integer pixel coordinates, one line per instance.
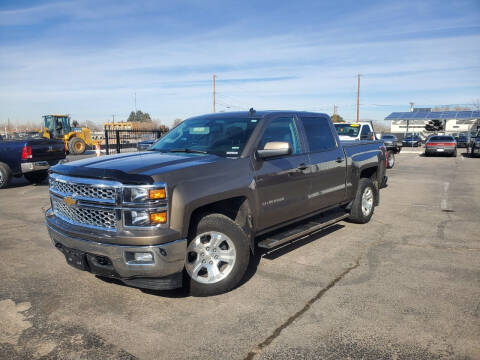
(327, 165)
(281, 183)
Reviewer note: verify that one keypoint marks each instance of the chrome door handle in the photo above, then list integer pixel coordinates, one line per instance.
(302, 167)
(339, 159)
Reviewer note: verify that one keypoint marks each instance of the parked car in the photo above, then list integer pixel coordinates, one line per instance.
(31, 158)
(441, 144)
(474, 145)
(462, 140)
(145, 144)
(393, 147)
(196, 204)
(412, 141)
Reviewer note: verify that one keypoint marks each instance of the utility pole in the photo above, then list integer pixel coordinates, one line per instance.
(214, 76)
(358, 97)
(113, 118)
(135, 116)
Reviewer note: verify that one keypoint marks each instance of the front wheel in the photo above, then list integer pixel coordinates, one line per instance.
(36, 177)
(364, 202)
(217, 256)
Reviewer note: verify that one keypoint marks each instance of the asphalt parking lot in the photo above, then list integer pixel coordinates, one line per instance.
(404, 286)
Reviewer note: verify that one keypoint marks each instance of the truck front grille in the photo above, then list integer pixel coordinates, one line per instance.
(99, 218)
(87, 191)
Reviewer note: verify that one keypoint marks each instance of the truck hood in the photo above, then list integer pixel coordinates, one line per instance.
(135, 168)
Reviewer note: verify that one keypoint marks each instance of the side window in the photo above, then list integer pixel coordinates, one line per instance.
(282, 129)
(365, 130)
(319, 134)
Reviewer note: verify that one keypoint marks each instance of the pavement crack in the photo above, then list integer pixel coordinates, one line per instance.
(258, 348)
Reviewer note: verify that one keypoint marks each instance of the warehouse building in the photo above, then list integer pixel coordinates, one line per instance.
(424, 122)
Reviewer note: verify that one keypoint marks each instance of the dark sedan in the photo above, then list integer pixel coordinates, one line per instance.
(461, 140)
(441, 144)
(414, 140)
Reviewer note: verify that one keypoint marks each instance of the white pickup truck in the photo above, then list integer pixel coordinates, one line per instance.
(355, 131)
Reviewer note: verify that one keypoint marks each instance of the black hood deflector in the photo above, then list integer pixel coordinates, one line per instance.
(105, 174)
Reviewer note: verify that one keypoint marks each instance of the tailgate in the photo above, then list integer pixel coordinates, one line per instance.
(45, 149)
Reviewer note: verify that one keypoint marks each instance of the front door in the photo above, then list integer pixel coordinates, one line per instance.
(282, 184)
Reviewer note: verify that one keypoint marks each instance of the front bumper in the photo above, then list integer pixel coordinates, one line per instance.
(112, 260)
(34, 166)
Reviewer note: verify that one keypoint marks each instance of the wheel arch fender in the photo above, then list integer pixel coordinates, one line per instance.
(236, 205)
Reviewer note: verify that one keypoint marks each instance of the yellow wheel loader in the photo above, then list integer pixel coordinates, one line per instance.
(76, 139)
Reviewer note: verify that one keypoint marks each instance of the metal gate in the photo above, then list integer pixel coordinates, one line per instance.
(117, 141)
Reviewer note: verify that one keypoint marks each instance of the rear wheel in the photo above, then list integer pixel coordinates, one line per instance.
(5, 175)
(217, 256)
(76, 146)
(36, 177)
(364, 203)
(454, 154)
(390, 159)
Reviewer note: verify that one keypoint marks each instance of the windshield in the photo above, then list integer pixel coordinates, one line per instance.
(224, 137)
(347, 129)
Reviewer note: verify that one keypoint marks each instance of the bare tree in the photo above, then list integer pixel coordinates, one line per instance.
(176, 122)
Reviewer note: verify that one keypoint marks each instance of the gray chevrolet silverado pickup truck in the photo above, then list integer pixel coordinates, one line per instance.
(193, 209)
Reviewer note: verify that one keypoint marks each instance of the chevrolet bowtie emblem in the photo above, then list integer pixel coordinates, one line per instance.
(69, 201)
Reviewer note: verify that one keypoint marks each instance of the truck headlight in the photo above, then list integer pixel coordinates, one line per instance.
(142, 194)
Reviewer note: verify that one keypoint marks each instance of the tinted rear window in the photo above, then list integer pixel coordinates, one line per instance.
(318, 133)
(442, 138)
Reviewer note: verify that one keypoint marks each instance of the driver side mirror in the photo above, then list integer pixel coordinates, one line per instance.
(274, 149)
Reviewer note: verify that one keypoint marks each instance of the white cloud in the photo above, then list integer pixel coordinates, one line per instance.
(94, 82)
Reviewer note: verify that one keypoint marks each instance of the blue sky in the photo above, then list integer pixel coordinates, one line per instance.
(88, 58)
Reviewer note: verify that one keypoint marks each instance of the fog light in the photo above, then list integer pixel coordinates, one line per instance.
(158, 218)
(143, 257)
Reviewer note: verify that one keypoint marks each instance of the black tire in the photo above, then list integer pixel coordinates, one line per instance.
(357, 214)
(36, 177)
(76, 146)
(390, 159)
(5, 175)
(454, 154)
(217, 223)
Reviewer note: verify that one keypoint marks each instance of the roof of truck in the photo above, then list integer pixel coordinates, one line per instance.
(259, 114)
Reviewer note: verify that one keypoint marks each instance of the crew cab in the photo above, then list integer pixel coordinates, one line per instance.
(28, 157)
(217, 188)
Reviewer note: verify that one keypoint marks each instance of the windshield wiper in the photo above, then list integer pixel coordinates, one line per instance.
(186, 150)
